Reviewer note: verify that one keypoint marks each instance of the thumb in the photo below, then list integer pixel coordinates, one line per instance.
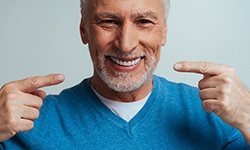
(39, 93)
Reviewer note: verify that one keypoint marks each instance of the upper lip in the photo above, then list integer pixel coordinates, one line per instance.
(126, 59)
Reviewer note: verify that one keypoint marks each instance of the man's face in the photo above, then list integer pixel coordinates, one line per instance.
(124, 37)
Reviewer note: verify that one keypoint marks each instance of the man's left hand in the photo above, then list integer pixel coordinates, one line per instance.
(222, 92)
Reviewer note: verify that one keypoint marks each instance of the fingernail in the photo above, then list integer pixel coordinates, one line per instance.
(59, 77)
(177, 66)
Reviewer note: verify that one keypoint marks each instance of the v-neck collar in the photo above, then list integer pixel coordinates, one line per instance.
(107, 114)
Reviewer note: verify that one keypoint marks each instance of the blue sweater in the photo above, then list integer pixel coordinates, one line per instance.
(172, 119)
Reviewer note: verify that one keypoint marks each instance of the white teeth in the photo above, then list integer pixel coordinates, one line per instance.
(126, 63)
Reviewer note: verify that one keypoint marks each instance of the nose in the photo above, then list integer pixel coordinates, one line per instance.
(127, 37)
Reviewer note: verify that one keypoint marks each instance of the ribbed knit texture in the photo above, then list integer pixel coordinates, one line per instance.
(172, 119)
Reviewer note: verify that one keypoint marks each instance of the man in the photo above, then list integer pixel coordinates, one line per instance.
(124, 106)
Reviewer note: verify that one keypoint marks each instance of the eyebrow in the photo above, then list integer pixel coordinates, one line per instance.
(139, 15)
(98, 16)
(149, 14)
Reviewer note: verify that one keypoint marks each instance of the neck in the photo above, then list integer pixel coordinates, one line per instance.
(131, 96)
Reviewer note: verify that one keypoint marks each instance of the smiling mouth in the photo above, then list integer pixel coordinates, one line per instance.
(126, 63)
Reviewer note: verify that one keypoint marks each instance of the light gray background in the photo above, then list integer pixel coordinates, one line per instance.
(42, 37)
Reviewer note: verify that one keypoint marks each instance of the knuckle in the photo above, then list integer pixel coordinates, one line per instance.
(223, 94)
(225, 91)
(34, 81)
(10, 97)
(204, 105)
(9, 104)
(223, 106)
(10, 109)
(12, 123)
(12, 133)
(30, 125)
(230, 69)
(40, 103)
(9, 114)
(200, 84)
(203, 67)
(226, 80)
(201, 94)
(207, 107)
(36, 114)
(8, 86)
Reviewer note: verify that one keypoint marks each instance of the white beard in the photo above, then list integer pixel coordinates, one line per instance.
(124, 82)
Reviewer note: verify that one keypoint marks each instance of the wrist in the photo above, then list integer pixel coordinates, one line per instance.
(245, 131)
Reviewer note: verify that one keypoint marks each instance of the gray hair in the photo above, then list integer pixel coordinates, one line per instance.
(85, 3)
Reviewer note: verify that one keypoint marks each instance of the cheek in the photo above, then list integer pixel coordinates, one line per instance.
(101, 38)
(152, 55)
(152, 43)
(99, 43)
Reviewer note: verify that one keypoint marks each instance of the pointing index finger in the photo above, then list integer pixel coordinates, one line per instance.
(34, 83)
(205, 68)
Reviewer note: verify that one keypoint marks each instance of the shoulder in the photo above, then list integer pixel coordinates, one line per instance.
(182, 101)
(163, 82)
(69, 101)
(181, 90)
(76, 92)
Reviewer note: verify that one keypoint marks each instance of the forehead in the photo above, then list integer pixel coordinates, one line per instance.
(127, 7)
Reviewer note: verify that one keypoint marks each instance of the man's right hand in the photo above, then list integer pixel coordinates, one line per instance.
(20, 102)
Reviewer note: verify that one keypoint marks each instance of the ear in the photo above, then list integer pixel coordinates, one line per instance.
(83, 32)
(164, 37)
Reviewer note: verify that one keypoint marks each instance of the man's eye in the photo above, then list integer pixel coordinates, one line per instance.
(109, 24)
(144, 21)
